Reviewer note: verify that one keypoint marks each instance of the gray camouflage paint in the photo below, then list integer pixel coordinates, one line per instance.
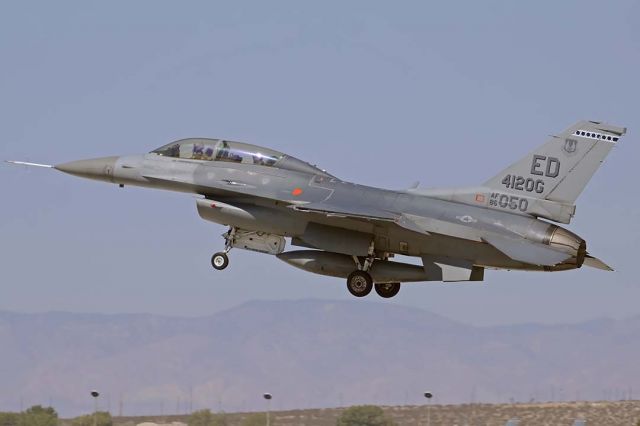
(458, 231)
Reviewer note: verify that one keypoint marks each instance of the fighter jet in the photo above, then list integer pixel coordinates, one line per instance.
(351, 231)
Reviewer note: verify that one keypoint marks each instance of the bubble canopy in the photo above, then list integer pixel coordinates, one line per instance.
(204, 149)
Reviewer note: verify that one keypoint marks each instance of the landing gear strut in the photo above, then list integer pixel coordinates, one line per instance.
(359, 282)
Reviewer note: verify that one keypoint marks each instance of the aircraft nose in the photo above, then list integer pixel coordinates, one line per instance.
(95, 168)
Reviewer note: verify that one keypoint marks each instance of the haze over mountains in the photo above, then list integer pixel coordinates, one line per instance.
(308, 353)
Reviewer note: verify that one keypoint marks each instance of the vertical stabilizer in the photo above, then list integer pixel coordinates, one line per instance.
(559, 170)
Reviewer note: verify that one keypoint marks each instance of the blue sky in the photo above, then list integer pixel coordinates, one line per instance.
(381, 93)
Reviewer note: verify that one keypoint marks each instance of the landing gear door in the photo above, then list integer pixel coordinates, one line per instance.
(258, 241)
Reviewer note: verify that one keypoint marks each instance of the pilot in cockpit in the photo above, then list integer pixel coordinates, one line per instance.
(198, 151)
(208, 153)
(173, 151)
(222, 150)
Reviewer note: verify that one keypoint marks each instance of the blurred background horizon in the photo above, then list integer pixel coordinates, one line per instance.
(308, 354)
(378, 93)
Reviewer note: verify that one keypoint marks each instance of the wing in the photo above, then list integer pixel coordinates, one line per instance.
(357, 212)
(366, 213)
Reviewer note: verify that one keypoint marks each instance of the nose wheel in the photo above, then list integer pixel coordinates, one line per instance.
(359, 283)
(220, 261)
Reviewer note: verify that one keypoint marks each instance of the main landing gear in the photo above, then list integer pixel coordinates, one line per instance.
(360, 283)
(387, 290)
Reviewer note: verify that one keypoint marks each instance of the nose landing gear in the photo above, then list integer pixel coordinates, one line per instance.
(220, 260)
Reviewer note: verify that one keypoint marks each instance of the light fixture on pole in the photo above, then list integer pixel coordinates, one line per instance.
(95, 394)
(268, 397)
(428, 395)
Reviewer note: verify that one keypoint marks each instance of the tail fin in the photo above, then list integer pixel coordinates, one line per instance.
(559, 170)
(546, 182)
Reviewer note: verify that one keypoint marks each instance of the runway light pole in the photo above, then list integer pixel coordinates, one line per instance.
(95, 394)
(428, 395)
(268, 397)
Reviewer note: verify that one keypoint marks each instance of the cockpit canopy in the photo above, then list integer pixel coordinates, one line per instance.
(234, 152)
(219, 150)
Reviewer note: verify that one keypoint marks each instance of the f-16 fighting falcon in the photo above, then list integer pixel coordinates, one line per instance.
(352, 231)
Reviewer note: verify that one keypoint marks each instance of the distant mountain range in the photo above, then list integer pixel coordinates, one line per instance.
(307, 353)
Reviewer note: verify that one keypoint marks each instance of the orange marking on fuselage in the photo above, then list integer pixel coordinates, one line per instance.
(296, 192)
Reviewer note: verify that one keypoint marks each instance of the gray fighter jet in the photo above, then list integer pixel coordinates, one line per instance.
(352, 231)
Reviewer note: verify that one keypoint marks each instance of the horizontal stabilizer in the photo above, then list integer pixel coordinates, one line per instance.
(594, 262)
(451, 270)
(527, 251)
